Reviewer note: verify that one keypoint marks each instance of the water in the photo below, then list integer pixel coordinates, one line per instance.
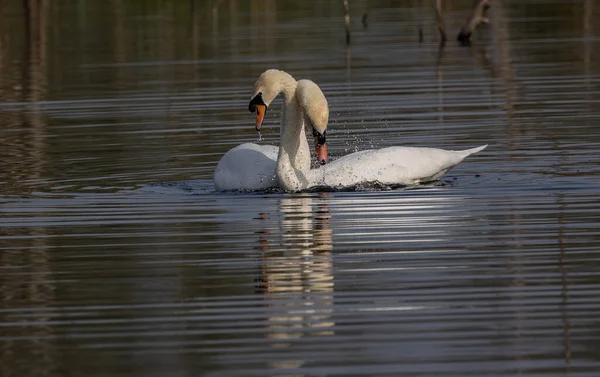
(117, 258)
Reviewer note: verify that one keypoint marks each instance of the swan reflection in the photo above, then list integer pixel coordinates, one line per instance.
(296, 275)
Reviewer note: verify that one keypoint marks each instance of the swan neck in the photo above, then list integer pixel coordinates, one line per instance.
(287, 176)
(294, 152)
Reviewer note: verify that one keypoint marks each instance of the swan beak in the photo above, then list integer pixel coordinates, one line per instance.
(261, 110)
(321, 150)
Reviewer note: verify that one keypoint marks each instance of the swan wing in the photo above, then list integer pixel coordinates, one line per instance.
(390, 166)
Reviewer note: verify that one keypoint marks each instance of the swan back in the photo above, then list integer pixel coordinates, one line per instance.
(388, 166)
(314, 104)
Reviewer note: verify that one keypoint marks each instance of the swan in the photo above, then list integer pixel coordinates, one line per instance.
(250, 166)
(389, 166)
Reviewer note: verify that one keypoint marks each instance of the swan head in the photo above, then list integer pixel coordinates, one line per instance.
(257, 105)
(268, 86)
(316, 114)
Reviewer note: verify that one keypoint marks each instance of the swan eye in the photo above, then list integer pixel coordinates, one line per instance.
(257, 100)
(319, 137)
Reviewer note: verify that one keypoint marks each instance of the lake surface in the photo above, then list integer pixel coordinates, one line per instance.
(118, 258)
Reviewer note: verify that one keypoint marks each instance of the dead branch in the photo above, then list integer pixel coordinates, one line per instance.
(440, 21)
(347, 20)
(476, 18)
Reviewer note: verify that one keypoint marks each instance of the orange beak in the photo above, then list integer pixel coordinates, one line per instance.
(321, 150)
(261, 110)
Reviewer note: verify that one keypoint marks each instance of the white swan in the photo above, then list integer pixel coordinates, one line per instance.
(388, 166)
(251, 166)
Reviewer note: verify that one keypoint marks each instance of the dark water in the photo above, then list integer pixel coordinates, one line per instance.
(117, 258)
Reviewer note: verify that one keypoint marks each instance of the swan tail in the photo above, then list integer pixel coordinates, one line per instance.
(468, 152)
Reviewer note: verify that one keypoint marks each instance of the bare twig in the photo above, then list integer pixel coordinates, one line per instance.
(347, 20)
(476, 18)
(440, 21)
(215, 6)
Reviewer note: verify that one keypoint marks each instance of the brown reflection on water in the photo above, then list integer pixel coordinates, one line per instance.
(588, 34)
(28, 284)
(296, 276)
(23, 151)
(564, 306)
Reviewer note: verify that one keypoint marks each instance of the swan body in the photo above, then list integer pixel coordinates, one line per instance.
(388, 166)
(248, 166)
(251, 166)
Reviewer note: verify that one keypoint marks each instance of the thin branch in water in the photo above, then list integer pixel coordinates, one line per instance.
(347, 20)
(215, 6)
(476, 18)
(440, 21)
